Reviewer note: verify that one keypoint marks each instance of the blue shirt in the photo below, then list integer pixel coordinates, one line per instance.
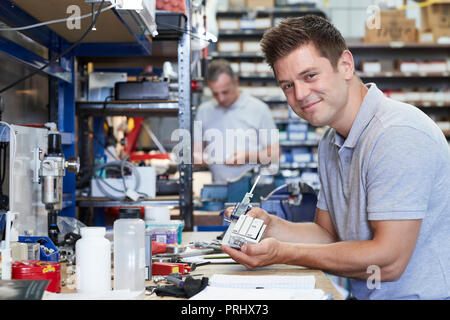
(394, 165)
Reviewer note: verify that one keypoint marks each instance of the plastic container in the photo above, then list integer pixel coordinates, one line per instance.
(93, 258)
(129, 251)
(157, 214)
(5, 264)
(164, 234)
(169, 232)
(39, 270)
(48, 250)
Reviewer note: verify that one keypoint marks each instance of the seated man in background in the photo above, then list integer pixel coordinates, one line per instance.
(237, 131)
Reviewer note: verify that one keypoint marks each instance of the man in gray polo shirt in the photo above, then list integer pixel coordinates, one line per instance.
(383, 214)
(234, 131)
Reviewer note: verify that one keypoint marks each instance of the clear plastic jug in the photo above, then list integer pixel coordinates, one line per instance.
(129, 251)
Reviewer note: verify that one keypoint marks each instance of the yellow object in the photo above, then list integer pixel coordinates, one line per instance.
(130, 124)
(90, 67)
(419, 5)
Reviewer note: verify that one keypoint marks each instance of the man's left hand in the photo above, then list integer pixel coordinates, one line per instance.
(265, 253)
(238, 158)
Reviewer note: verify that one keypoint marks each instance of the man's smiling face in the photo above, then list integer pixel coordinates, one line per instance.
(315, 90)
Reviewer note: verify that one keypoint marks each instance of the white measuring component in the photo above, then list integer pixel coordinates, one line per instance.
(244, 229)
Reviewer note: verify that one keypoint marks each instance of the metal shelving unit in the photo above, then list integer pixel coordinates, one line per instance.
(106, 203)
(136, 108)
(180, 107)
(395, 80)
(60, 77)
(117, 35)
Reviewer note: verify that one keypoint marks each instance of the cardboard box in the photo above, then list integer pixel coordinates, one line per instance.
(426, 37)
(247, 67)
(387, 15)
(263, 68)
(392, 14)
(228, 24)
(251, 46)
(371, 67)
(433, 36)
(409, 66)
(229, 46)
(440, 33)
(260, 3)
(433, 66)
(393, 30)
(247, 24)
(237, 4)
(235, 67)
(263, 23)
(435, 16)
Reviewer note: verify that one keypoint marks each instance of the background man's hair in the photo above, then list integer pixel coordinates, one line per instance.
(217, 67)
(293, 33)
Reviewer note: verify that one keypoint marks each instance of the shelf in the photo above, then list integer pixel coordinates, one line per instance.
(399, 74)
(289, 120)
(242, 33)
(299, 165)
(136, 108)
(258, 77)
(274, 101)
(238, 55)
(118, 32)
(383, 74)
(107, 203)
(396, 45)
(300, 143)
(276, 11)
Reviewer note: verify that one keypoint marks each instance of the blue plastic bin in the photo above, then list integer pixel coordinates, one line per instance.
(46, 242)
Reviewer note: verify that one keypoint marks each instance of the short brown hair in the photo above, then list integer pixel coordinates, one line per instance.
(217, 67)
(293, 33)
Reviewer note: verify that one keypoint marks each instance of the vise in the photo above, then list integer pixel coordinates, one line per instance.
(294, 201)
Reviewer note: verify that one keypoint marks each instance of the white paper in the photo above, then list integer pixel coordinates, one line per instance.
(220, 293)
(266, 282)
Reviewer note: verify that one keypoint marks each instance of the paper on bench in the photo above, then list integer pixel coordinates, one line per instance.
(266, 282)
(221, 293)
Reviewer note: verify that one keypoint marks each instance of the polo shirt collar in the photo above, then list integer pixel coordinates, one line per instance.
(366, 112)
(238, 103)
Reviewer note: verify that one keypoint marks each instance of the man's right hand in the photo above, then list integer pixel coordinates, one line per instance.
(256, 213)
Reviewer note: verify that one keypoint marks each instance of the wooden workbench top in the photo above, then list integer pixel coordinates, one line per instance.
(322, 282)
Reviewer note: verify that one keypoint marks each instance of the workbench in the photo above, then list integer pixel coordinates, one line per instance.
(322, 282)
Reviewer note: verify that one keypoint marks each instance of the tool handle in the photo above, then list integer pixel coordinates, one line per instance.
(175, 280)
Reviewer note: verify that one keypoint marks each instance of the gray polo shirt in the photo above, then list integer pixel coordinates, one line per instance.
(394, 165)
(233, 129)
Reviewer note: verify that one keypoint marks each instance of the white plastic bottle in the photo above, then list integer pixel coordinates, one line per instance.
(129, 251)
(93, 261)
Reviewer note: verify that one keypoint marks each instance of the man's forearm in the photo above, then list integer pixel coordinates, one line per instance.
(305, 232)
(345, 258)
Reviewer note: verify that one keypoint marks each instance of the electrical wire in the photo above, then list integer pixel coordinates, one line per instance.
(12, 156)
(54, 21)
(117, 166)
(76, 43)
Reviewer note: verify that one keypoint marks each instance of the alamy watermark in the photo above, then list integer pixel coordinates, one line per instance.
(74, 20)
(374, 19)
(374, 280)
(232, 147)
